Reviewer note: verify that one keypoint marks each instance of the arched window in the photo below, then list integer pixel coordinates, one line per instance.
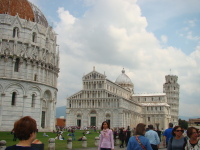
(35, 77)
(33, 100)
(16, 68)
(14, 94)
(15, 32)
(148, 118)
(34, 37)
(47, 42)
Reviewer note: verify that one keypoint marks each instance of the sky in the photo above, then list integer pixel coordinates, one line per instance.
(148, 38)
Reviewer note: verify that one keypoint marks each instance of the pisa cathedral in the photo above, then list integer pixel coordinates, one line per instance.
(101, 99)
(29, 65)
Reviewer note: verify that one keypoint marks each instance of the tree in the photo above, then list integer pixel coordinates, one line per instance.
(183, 123)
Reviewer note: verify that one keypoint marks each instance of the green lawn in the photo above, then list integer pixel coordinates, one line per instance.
(60, 144)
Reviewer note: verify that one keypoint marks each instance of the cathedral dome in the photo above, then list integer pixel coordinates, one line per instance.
(24, 9)
(123, 79)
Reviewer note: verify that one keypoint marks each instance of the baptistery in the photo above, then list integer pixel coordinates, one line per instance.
(29, 65)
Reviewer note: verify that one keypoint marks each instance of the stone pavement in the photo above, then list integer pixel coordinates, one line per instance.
(118, 148)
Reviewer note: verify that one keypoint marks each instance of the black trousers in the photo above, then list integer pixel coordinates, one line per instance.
(122, 143)
(105, 148)
(154, 147)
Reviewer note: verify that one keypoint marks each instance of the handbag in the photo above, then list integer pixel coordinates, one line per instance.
(140, 143)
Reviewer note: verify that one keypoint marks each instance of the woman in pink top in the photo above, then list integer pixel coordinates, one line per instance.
(106, 137)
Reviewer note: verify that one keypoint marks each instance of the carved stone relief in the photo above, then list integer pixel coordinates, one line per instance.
(35, 54)
(7, 48)
(22, 50)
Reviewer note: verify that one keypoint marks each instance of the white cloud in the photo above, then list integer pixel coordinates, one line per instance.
(191, 37)
(159, 12)
(164, 38)
(112, 35)
(192, 23)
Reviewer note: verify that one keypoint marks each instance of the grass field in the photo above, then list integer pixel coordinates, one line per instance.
(60, 144)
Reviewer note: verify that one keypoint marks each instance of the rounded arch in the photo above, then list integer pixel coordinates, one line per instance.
(37, 88)
(16, 32)
(34, 93)
(108, 115)
(14, 90)
(78, 115)
(47, 95)
(15, 84)
(93, 112)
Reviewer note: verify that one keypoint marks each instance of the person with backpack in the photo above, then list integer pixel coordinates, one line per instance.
(178, 141)
(139, 141)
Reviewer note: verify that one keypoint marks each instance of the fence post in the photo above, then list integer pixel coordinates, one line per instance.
(69, 143)
(84, 141)
(117, 140)
(2, 145)
(51, 145)
(96, 143)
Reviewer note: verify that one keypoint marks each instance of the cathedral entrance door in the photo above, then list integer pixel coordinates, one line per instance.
(93, 121)
(79, 123)
(108, 121)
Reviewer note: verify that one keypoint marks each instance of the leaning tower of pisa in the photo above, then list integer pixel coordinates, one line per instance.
(171, 88)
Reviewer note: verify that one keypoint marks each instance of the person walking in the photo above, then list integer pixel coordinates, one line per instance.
(167, 135)
(128, 135)
(153, 137)
(73, 134)
(139, 141)
(178, 141)
(121, 137)
(106, 137)
(25, 130)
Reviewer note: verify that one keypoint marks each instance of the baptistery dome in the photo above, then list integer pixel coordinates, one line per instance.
(24, 9)
(124, 81)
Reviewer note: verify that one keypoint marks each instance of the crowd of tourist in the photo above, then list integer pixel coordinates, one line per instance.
(140, 138)
(147, 138)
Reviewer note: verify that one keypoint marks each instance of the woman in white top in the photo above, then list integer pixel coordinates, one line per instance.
(193, 142)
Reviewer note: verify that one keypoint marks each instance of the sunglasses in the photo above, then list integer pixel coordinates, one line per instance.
(194, 132)
(179, 131)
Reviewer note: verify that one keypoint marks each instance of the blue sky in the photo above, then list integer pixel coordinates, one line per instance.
(146, 37)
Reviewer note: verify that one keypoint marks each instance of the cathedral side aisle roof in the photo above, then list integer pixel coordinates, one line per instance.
(154, 104)
(150, 94)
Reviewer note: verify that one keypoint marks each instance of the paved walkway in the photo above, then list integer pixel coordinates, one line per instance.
(117, 147)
